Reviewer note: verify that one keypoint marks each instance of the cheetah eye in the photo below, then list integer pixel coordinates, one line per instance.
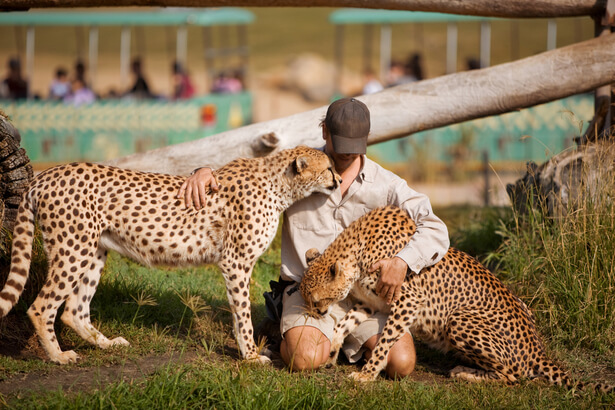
(332, 270)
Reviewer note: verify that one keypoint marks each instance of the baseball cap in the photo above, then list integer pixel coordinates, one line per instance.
(348, 123)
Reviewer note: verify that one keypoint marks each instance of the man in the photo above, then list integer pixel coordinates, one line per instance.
(316, 221)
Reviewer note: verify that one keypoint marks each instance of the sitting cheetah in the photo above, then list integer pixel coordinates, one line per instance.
(84, 210)
(455, 304)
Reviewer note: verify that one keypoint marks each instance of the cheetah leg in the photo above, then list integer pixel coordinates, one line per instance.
(238, 293)
(474, 348)
(77, 310)
(477, 375)
(351, 320)
(43, 311)
(391, 333)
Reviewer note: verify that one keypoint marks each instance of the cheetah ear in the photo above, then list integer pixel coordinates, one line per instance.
(311, 254)
(300, 163)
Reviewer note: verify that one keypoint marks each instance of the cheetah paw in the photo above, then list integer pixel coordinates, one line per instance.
(361, 377)
(66, 357)
(259, 360)
(119, 341)
(464, 373)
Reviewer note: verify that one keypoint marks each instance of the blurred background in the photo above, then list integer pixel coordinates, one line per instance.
(217, 69)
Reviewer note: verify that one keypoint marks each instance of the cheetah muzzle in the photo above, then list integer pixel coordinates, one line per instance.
(456, 304)
(84, 210)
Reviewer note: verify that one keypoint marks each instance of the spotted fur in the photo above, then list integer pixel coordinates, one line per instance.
(84, 210)
(457, 304)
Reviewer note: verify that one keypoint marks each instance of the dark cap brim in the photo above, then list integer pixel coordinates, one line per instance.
(345, 145)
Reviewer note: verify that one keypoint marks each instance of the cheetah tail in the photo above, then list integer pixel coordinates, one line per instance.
(21, 255)
(552, 373)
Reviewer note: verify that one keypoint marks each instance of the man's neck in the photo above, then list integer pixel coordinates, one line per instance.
(350, 174)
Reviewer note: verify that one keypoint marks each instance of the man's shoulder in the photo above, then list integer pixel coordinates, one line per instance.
(374, 171)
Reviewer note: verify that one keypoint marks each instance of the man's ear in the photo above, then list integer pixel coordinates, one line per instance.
(301, 163)
(311, 254)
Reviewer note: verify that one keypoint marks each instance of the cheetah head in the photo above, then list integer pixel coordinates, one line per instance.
(326, 281)
(312, 171)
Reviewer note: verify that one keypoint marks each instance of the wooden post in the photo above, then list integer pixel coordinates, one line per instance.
(368, 30)
(601, 122)
(486, 178)
(339, 56)
(485, 44)
(386, 39)
(93, 56)
(451, 48)
(30, 58)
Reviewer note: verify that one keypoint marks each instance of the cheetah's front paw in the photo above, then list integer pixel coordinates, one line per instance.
(361, 377)
(260, 359)
(66, 357)
(119, 341)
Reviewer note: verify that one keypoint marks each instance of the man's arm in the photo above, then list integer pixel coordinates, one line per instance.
(195, 188)
(426, 247)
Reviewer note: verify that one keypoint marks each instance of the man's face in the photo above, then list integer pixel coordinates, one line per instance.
(342, 161)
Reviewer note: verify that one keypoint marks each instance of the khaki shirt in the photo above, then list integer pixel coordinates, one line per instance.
(314, 222)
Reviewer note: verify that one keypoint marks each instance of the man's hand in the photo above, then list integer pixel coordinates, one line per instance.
(392, 276)
(195, 188)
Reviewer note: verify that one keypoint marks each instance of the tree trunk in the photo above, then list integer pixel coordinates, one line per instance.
(568, 181)
(409, 108)
(508, 8)
(15, 172)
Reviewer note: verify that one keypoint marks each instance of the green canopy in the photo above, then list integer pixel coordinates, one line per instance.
(367, 16)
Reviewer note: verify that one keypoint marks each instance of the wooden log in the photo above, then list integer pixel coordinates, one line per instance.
(409, 108)
(568, 181)
(509, 8)
(15, 172)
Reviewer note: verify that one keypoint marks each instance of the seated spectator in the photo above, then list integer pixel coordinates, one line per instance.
(140, 89)
(227, 83)
(182, 85)
(80, 94)
(409, 72)
(14, 85)
(60, 87)
(472, 63)
(414, 67)
(397, 75)
(80, 72)
(371, 84)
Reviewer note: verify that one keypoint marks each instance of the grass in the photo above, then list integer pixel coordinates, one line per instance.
(566, 265)
(163, 311)
(221, 385)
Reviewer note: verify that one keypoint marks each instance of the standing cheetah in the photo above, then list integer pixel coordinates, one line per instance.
(84, 210)
(456, 304)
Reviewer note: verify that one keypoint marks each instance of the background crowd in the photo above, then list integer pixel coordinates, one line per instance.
(73, 88)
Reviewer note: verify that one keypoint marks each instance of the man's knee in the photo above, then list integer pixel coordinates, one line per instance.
(402, 358)
(304, 348)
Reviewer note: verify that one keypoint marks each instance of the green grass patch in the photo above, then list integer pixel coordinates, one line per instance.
(226, 384)
(164, 312)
